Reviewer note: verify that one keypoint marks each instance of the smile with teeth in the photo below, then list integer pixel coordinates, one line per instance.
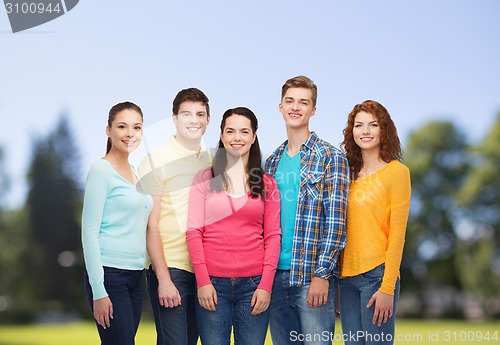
(366, 138)
(193, 129)
(294, 115)
(237, 146)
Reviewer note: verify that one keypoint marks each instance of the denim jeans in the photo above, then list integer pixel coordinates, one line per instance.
(292, 321)
(175, 326)
(357, 327)
(124, 288)
(233, 310)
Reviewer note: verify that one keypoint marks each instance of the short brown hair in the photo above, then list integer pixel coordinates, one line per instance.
(302, 82)
(190, 95)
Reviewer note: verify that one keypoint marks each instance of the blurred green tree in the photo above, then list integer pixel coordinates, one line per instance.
(5, 253)
(4, 181)
(14, 290)
(436, 156)
(479, 249)
(54, 204)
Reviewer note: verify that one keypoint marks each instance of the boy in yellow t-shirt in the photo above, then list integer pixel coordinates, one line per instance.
(167, 173)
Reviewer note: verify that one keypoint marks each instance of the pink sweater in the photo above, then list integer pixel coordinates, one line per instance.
(233, 237)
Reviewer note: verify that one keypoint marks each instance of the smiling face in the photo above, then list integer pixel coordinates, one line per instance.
(366, 132)
(237, 136)
(125, 131)
(191, 122)
(297, 107)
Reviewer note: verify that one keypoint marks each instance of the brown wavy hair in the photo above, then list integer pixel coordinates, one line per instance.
(390, 145)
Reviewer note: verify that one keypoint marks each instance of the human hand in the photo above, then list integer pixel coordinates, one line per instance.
(317, 295)
(384, 304)
(260, 301)
(103, 311)
(207, 297)
(168, 295)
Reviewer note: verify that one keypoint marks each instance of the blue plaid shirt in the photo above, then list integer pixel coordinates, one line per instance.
(320, 221)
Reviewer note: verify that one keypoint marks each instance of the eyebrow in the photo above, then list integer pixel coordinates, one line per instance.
(363, 122)
(197, 112)
(241, 129)
(300, 99)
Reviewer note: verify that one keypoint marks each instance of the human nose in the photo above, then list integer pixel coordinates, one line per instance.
(237, 136)
(193, 118)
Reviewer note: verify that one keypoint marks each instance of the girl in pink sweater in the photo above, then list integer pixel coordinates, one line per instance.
(234, 235)
(377, 212)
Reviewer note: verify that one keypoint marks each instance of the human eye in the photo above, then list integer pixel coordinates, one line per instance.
(121, 126)
(202, 115)
(138, 127)
(374, 124)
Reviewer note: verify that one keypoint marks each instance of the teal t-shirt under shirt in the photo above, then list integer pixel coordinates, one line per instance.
(288, 179)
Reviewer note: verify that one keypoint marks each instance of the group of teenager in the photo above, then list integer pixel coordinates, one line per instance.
(234, 248)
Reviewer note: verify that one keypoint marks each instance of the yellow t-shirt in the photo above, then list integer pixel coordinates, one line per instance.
(168, 172)
(377, 213)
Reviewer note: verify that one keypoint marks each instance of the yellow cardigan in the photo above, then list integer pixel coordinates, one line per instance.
(377, 213)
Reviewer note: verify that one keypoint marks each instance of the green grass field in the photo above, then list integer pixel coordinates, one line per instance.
(408, 332)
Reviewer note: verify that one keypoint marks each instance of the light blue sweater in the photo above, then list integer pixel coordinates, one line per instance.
(114, 221)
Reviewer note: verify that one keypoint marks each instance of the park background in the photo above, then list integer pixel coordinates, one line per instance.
(434, 65)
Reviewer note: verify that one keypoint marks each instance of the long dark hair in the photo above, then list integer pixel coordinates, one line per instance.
(254, 167)
(115, 110)
(390, 145)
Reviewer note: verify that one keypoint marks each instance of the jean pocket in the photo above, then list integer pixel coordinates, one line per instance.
(375, 274)
(112, 271)
(213, 280)
(254, 281)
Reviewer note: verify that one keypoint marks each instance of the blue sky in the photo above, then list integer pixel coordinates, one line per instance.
(423, 59)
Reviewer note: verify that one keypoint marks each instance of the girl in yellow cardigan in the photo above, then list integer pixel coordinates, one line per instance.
(377, 213)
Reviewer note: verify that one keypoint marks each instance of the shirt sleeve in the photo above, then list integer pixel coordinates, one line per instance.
(272, 233)
(196, 227)
(95, 197)
(399, 194)
(335, 191)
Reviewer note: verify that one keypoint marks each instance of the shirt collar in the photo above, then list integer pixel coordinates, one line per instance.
(311, 141)
(181, 149)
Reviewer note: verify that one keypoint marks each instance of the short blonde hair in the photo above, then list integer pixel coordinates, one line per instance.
(302, 82)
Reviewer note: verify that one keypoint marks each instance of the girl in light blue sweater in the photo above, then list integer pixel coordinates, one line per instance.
(114, 221)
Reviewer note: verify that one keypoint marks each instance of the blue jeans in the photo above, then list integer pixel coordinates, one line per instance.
(357, 327)
(233, 310)
(124, 288)
(175, 326)
(293, 321)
